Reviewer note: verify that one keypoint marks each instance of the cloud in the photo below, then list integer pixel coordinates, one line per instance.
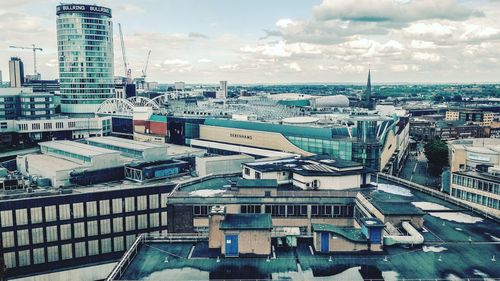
(293, 66)
(391, 10)
(422, 56)
(197, 35)
(204, 60)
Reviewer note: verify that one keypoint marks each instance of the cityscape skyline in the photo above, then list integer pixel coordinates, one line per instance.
(300, 42)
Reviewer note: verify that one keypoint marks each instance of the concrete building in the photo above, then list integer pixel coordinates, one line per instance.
(221, 93)
(236, 234)
(217, 165)
(310, 173)
(474, 166)
(85, 51)
(22, 103)
(53, 230)
(16, 72)
(477, 116)
(59, 127)
(179, 86)
(143, 151)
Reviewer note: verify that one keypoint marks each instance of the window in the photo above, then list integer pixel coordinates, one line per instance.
(247, 171)
(80, 250)
(275, 210)
(105, 226)
(8, 239)
(117, 225)
(118, 243)
(129, 204)
(78, 210)
(23, 237)
(21, 216)
(104, 207)
(154, 220)
(257, 175)
(37, 235)
(130, 223)
(117, 206)
(79, 229)
(51, 233)
(201, 210)
(65, 231)
(50, 213)
(153, 201)
(36, 215)
(66, 252)
(91, 209)
(6, 218)
(93, 247)
(250, 209)
(142, 221)
(142, 203)
(52, 254)
(64, 212)
(92, 228)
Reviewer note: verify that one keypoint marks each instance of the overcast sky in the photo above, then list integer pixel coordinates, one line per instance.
(280, 41)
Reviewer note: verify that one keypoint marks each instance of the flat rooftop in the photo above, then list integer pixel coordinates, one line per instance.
(458, 244)
(53, 162)
(126, 143)
(77, 148)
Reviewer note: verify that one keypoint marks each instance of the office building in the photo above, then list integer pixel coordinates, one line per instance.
(16, 72)
(179, 86)
(85, 48)
(221, 93)
(23, 103)
(474, 173)
(477, 116)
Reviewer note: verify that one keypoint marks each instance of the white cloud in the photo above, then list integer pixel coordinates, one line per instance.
(293, 66)
(422, 56)
(284, 23)
(204, 60)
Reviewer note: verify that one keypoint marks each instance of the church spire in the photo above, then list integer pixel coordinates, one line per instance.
(369, 85)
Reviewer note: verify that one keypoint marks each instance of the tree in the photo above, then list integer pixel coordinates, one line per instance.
(438, 98)
(436, 152)
(457, 98)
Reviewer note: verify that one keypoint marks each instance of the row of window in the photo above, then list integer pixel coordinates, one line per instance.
(476, 198)
(80, 210)
(67, 251)
(479, 184)
(40, 235)
(286, 210)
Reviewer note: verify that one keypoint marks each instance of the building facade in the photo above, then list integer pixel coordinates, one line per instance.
(85, 47)
(49, 232)
(16, 72)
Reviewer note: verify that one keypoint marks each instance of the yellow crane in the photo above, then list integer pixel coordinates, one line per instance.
(34, 49)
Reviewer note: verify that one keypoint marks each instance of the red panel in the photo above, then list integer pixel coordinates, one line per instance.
(140, 122)
(158, 128)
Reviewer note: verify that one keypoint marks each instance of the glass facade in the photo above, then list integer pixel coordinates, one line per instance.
(335, 148)
(85, 49)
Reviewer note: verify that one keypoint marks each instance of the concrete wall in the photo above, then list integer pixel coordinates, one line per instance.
(267, 140)
(328, 182)
(282, 177)
(256, 242)
(215, 235)
(221, 164)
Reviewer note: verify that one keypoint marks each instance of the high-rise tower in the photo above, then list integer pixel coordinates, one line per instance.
(85, 48)
(16, 72)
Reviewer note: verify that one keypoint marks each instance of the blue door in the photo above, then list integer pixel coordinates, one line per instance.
(232, 245)
(325, 242)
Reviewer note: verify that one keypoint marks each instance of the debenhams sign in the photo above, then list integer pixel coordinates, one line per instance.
(61, 9)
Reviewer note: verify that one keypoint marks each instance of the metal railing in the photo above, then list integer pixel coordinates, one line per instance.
(299, 194)
(126, 259)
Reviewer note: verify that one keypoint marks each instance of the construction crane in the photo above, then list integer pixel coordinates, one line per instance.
(146, 66)
(34, 49)
(128, 71)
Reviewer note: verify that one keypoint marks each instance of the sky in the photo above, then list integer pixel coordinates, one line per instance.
(279, 41)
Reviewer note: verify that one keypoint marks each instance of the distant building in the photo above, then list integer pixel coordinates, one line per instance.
(179, 86)
(477, 116)
(47, 86)
(16, 72)
(85, 44)
(23, 103)
(222, 91)
(367, 99)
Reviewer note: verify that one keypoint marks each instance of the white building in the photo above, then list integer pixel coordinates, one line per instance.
(218, 165)
(310, 172)
(179, 86)
(144, 151)
(222, 91)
